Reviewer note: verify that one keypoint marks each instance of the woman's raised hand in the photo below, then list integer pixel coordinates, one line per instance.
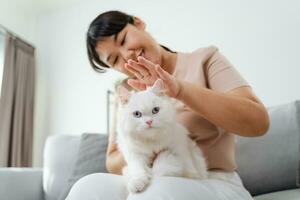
(147, 73)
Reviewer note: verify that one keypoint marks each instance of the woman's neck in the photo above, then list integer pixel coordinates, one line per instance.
(169, 60)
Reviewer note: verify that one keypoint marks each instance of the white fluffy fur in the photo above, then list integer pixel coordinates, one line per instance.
(178, 154)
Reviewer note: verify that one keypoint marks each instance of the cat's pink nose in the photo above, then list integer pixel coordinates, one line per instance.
(149, 122)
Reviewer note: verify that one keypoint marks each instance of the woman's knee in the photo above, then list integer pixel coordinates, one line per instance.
(159, 188)
(174, 188)
(99, 186)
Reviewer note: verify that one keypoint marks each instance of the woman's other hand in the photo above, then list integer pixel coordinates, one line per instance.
(147, 73)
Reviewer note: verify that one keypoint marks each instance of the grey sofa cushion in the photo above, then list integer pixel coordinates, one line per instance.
(91, 159)
(271, 162)
(293, 194)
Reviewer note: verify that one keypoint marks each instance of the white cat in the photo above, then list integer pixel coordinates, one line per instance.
(147, 126)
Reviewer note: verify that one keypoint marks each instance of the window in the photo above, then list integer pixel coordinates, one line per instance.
(2, 47)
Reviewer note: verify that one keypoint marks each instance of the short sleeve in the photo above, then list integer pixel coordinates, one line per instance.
(221, 75)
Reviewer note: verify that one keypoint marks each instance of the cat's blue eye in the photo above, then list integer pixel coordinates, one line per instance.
(155, 110)
(137, 114)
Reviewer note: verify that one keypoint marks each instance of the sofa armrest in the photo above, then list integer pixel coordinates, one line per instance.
(21, 184)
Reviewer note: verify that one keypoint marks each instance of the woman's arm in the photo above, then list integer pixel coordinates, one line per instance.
(114, 159)
(238, 111)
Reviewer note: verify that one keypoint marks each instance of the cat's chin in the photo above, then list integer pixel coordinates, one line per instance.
(147, 128)
(151, 129)
(148, 131)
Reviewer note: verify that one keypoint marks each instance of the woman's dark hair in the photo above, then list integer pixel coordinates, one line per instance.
(105, 24)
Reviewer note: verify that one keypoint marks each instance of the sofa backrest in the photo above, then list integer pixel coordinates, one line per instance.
(60, 155)
(266, 164)
(271, 162)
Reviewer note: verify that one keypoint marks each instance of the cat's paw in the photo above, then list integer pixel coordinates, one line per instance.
(138, 183)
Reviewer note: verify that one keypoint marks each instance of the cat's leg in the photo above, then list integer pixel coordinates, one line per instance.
(195, 167)
(195, 163)
(167, 164)
(137, 173)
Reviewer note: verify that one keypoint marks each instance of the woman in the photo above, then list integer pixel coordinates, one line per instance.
(212, 100)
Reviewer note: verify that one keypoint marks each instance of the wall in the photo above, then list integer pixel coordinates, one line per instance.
(19, 16)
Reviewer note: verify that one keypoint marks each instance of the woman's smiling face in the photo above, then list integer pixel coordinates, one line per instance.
(132, 41)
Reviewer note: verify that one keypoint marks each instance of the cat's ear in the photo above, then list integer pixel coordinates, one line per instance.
(158, 87)
(123, 94)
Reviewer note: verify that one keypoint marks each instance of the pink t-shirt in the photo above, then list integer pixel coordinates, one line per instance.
(208, 68)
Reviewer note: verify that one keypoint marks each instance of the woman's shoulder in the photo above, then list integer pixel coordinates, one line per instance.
(206, 51)
(201, 55)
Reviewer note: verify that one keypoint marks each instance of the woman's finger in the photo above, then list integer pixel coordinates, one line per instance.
(145, 61)
(133, 71)
(162, 73)
(141, 69)
(136, 84)
(148, 64)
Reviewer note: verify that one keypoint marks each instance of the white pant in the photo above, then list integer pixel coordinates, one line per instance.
(219, 186)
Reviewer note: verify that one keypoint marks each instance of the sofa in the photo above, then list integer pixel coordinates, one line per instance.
(268, 165)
